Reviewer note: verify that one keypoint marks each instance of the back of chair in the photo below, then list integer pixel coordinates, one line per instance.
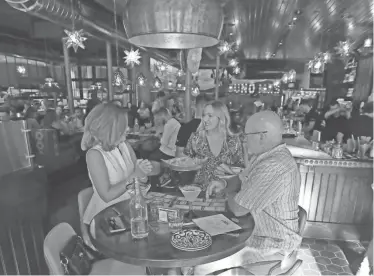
(54, 243)
(302, 220)
(84, 198)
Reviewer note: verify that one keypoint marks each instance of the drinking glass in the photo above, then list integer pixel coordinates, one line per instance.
(175, 220)
(190, 192)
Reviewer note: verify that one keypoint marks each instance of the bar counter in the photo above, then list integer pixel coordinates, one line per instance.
(337, 195)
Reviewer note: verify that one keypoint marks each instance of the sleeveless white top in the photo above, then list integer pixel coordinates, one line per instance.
(119, 165)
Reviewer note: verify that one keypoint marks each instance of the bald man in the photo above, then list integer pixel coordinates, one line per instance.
(268, 189)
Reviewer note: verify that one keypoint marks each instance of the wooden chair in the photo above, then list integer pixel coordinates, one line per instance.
(57, 239)
(288, 265)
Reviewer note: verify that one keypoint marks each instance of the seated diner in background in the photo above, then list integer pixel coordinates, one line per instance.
(111, 161)
(144, 114)
(169, 127)
(268, 189)
(215, 141)
(190, 127)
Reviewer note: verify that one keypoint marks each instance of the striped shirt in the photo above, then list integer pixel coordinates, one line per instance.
(270, 191)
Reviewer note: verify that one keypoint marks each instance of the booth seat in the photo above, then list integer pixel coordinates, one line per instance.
(56, 152)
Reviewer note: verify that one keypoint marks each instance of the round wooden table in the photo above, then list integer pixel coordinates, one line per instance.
(157, 251)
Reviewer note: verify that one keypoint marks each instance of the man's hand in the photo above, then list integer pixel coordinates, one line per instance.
(215, 187)
(224, 169)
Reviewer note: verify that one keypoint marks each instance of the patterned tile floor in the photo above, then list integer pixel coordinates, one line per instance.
(322, 257)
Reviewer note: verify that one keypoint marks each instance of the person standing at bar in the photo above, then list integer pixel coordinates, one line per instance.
(335, 121)
(312, 119)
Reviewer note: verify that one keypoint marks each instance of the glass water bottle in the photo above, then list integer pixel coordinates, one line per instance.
(138, 214)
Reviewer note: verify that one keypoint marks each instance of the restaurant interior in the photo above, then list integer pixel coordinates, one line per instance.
(61, 58)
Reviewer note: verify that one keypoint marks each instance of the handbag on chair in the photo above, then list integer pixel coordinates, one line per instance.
(74, 258)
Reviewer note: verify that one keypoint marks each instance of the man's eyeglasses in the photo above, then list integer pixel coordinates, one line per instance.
(254, 133)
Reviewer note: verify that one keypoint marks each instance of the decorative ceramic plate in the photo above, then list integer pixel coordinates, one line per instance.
(191, 240)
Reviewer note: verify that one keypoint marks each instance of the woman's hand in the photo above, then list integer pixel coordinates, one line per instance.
(143, 167)
(224, 169)
(215, 187)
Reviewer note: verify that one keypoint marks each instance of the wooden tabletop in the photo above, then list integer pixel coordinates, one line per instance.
(157, 251)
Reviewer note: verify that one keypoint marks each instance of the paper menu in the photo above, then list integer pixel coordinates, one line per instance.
(216, 224)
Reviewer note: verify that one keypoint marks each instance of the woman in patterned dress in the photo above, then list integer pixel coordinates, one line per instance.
(215, 141)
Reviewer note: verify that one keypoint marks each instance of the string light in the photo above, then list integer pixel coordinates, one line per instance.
(195, 91)
(180, 73)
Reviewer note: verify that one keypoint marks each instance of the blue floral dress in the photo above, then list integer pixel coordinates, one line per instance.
(231, 154)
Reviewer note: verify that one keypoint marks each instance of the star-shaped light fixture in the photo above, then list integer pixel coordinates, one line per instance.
(225, 47)
(344, 48)
(74, 39)
(118, 78)
(236, 70)
(233, 62)
(132, 57)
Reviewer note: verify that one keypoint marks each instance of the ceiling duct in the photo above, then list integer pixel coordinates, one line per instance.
(95, 22)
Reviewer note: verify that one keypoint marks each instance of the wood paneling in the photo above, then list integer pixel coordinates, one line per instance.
(337, 195)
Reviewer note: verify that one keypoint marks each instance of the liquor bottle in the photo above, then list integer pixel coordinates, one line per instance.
(136, 126)
(138, 214)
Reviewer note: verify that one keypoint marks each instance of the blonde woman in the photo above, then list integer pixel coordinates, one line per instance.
(168, 129)
(215, 141)
(111, 161)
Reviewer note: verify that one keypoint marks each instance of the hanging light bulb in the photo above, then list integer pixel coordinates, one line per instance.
(285, 78)
(157, 83)
(21, 70)
(118, 78)
(162, 67)
(170, 84)
(128, 87)
(141, 80)
(231, 88)
(292, 76)
(344, 48)
(179, 85)
(195, 91)
(233, 62)
(368, 42)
